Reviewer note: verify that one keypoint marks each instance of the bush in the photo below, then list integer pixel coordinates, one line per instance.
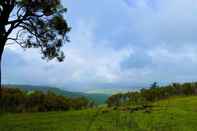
(15, 100)
(154, 93)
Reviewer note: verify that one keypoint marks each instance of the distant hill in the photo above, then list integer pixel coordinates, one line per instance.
(97, 98)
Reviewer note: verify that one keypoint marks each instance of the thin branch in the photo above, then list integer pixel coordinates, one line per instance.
(18, 11)
(15, 40)
(15, 25)
(16, 21)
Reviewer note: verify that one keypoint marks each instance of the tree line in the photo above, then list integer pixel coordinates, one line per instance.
(16, 100)
(152, 94)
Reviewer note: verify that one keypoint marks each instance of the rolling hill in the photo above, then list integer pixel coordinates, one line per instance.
(97, 98)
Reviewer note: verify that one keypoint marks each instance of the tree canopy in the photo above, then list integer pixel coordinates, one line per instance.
(152, 94)
(16, 100)
(34, 24)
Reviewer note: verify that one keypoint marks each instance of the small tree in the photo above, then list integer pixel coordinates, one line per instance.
(34, 24)
(154, 85)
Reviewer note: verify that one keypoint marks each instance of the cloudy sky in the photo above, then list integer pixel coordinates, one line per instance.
(119, 44)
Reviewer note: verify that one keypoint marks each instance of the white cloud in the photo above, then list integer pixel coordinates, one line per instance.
(156, 41)
(86, 60)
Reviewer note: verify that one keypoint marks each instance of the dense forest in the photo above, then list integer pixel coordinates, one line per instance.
(96, 97)
(152, 94)
(16, 100)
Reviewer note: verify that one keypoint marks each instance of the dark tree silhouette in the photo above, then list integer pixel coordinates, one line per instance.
(154, 85)
(34, 24)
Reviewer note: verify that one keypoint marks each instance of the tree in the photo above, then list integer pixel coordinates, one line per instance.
(34, 24)
(154, 85)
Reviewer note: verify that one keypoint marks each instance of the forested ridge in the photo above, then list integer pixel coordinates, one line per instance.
(96, 97)
(152, 94)
(16, 100)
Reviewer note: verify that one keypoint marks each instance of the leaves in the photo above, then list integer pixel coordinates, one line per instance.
(42, 24)
(15, 100)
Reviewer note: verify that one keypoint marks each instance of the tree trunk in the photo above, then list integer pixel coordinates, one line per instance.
(4, 16)
(1, 53)
(2, 41)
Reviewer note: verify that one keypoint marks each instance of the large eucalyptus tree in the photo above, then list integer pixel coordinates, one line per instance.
(34, 24)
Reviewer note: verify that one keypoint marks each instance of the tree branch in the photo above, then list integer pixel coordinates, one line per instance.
(17, 42)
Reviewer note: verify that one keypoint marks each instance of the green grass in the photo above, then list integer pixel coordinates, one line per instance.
(174, 114)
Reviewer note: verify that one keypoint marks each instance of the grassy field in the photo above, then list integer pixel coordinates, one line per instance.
(174, 114)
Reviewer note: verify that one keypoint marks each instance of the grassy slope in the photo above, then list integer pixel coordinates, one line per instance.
(175, 114)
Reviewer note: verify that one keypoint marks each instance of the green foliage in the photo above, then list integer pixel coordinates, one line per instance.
(154, 93)
(96, 98)
(36, 24)
(15, 100)
(174, 114)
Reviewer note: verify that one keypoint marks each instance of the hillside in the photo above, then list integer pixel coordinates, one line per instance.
(174, 114)
(97, 98)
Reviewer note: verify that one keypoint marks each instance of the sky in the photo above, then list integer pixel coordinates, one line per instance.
(115, 45)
